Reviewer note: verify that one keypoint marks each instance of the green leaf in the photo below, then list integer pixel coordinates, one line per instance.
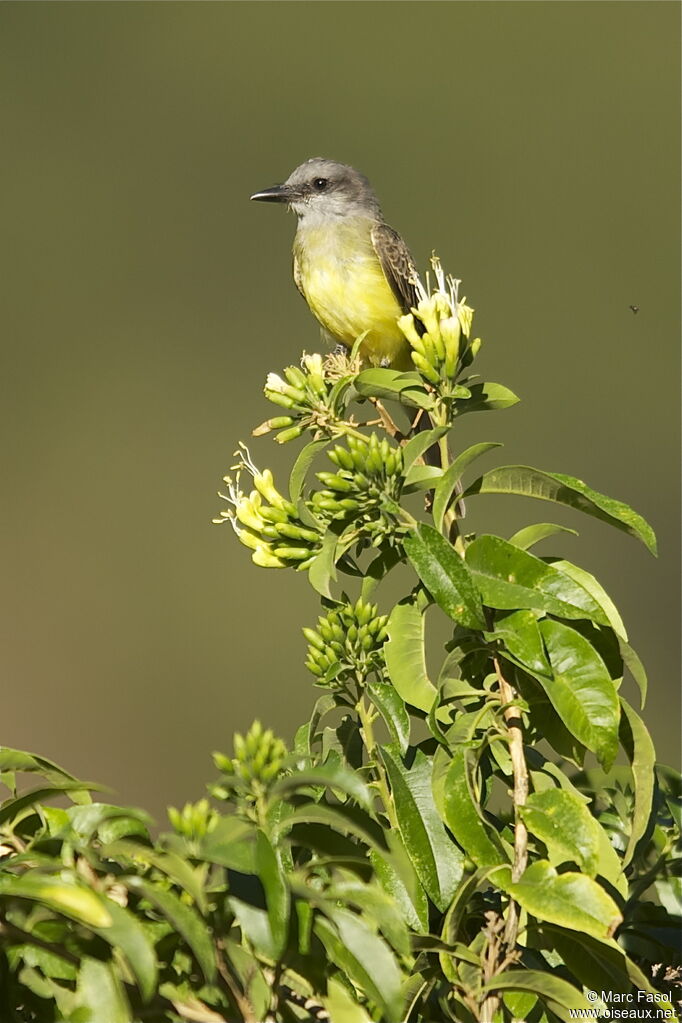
(264, 927)
(185, 920)
(307, 733)
(565, 825)
(341, 1006)
(374, 903)
(520, 634)
(437, 861)
(62, 896)
(669, 891)
(420, 443)
(452, 475)
(170, 863)
(509, 578)
(101, 994)
(404, 653)
(277, 897)
(391, 707)
(581, 690)
(305, 459)
(561, 819)
(13, 807)
(463, 816)
(323, 569)
(525, 481)
(600, 965)
(334, 776)
(460, 904)
(407, 388)
(571, 900)
(597, 591)
(486, 396)
(421, 477)
(18, 760)
(52, 964)
(519, 1003)
(558, 995)
(109, 820)
(230, 843)
(445, 575)
(530, 535)
(635, 667)
(127, 934)
(365, 957)
(398, 878)
(343, 818)
(641, 753)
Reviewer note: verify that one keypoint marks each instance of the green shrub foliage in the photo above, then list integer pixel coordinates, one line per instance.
(482, 834)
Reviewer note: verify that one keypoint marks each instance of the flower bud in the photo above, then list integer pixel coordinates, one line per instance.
(451, 331)
(247, 511)
(314, 638)
(291, 434)
(272, 424)
(465, 315)
(295, 377)
(223, 763)
(426, 310)
(275, 385)
(264, 484)
(335, 482)
(249, 539)
(429, 350)
(425, 368)
(292, 553)
(279, 399)
(406, 325)
(341, 457)
(273, 514)
(264, 558)
(293, 532)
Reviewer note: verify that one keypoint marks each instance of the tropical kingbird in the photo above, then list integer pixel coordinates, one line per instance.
(354, 271)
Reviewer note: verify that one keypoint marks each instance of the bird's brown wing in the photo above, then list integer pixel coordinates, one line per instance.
(397, 264)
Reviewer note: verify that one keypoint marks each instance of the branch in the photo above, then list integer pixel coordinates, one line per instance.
(520, 794)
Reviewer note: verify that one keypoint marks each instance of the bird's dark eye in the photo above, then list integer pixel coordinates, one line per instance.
(320, 184)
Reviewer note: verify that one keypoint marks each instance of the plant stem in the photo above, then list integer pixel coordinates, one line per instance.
(386, 420)
(367, 732)
(232, 985)
(348, 430)
(520, 795)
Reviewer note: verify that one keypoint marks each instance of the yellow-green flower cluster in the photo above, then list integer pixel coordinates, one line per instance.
(304, 391)
(266, 522)
(369, 472)
(347, 644)
(258, 758)
(441, 347)
(194, 820)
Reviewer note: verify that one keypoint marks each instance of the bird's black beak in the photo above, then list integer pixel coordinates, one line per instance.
(278, 193)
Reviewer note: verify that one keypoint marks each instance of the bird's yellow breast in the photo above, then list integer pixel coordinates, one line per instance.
(340, 276)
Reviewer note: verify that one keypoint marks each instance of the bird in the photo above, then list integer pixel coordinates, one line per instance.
(354, 270)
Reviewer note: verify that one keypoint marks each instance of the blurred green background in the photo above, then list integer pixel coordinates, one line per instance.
(533, 145)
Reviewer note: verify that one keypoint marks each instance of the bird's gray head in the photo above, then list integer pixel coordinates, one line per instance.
(324, 188)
